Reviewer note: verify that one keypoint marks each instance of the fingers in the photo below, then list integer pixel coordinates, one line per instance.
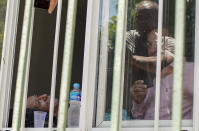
(52, 6)
(43, 97)
(139, 82)
(139, 86)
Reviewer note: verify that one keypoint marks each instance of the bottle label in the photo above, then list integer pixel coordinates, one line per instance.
(75, 96)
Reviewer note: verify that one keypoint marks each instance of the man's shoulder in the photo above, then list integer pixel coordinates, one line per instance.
(132, 37)
(169, 39)
(132, 34)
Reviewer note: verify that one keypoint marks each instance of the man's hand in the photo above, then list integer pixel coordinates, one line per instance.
(138, 91)
(52, 6)
(32, 102)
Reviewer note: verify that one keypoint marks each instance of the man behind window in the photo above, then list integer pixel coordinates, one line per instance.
(37, 103)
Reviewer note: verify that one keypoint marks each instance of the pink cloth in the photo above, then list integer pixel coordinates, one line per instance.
(146, 109)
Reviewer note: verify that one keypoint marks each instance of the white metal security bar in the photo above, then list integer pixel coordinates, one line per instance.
(158, 67)
(17, 112)
(67, 64)
(196, 72)
(118, 71)
(178, 64)
(26, 79)
(7, 61)
(90, 66)
(54, 68)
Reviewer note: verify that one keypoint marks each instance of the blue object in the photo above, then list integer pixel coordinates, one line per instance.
(74, 108)
(75, 94)
(76, 85)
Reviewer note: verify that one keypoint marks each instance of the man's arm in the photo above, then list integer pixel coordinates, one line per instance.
(53, 4)
(149, 63)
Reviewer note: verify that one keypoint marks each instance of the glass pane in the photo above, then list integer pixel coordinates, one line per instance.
(2, 22)
(140, 60)
(40, 73)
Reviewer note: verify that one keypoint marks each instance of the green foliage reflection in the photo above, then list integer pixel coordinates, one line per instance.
(2, 21)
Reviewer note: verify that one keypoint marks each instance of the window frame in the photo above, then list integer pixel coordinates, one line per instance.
(196, 71)
(103, 61)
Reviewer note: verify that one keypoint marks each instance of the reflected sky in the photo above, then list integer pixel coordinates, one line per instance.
(113, 10)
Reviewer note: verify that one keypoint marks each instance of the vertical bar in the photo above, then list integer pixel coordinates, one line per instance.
(196, 72)
(118, 66)
(89, 80)
(67, 64)
(158, 67)
(27, 73)
(102, 83)
(17, 112)
(7, 60)
(178, 64)
(54, 68)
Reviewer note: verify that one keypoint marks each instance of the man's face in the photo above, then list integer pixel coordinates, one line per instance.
(142, 20)
(145, 21)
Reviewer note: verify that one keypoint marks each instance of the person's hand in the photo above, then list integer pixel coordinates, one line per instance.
(138, 91)
(52, 6)
(32, 102)
(44, 102)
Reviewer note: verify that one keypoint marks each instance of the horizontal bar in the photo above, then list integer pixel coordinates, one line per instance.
(146, 123)
(104, 129)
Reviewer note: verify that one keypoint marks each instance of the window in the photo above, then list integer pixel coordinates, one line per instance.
(40, 59)
(96, 55)
(108, 21)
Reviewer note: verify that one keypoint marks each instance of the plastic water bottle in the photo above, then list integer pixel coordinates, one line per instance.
(74, 109)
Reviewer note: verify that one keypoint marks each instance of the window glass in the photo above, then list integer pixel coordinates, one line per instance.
(140, 60)
(40, 72)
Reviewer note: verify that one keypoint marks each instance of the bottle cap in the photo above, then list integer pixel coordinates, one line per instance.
(76, 85)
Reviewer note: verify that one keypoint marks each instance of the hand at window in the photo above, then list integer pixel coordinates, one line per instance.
(52, 6)
(138, 91)
(44, 102)
(32, 102)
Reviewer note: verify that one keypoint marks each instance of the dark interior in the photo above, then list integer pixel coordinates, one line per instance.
(43, 46)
